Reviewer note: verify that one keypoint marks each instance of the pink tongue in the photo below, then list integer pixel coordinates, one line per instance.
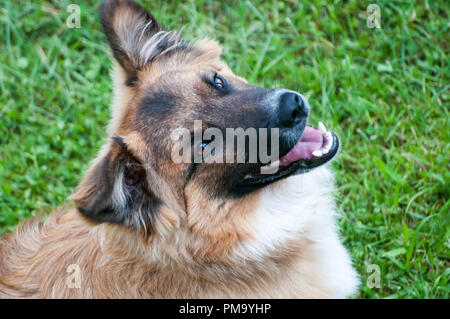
(310, 141)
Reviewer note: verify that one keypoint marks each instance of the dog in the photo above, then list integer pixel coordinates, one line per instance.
(144, 226)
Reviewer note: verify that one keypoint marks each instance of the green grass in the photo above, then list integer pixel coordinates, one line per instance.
(385, 91)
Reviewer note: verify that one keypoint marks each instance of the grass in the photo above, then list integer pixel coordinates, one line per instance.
(385, 91)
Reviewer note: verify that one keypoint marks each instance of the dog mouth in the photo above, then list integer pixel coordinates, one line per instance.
(316, 146)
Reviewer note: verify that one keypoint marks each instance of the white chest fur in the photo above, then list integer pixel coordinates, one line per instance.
(302, 208)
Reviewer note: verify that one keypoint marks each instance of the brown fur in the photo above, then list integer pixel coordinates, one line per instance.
(115, 263)
(185, 248)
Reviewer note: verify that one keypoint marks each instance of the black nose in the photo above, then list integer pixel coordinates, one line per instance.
(292, 109)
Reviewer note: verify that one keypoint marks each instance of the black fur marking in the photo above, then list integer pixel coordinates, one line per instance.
(99, 204)
(107, 12)
(131, 82)
(118, 140)
(157, 105)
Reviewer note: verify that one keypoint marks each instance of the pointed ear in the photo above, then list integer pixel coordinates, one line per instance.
(135, 37)
(115, 190)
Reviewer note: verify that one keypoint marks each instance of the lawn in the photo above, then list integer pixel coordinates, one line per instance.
(384, 91)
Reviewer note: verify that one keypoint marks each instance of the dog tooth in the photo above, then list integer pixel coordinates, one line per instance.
(317, 153)
(322, 128)
(326, 148)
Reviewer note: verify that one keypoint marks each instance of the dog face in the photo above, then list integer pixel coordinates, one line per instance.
(163, 83)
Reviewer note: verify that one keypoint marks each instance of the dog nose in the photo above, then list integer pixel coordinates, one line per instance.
(292, 109)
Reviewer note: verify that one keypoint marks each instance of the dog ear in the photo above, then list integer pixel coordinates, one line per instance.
(115, 190)
(135, 36)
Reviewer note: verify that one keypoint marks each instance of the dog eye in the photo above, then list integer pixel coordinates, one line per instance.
(219, 81)
(203, 149)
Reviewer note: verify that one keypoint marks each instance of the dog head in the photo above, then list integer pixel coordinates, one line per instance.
(164, 83)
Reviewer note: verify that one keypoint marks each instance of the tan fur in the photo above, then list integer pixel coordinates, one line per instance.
(116, 263)
(188, 251)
